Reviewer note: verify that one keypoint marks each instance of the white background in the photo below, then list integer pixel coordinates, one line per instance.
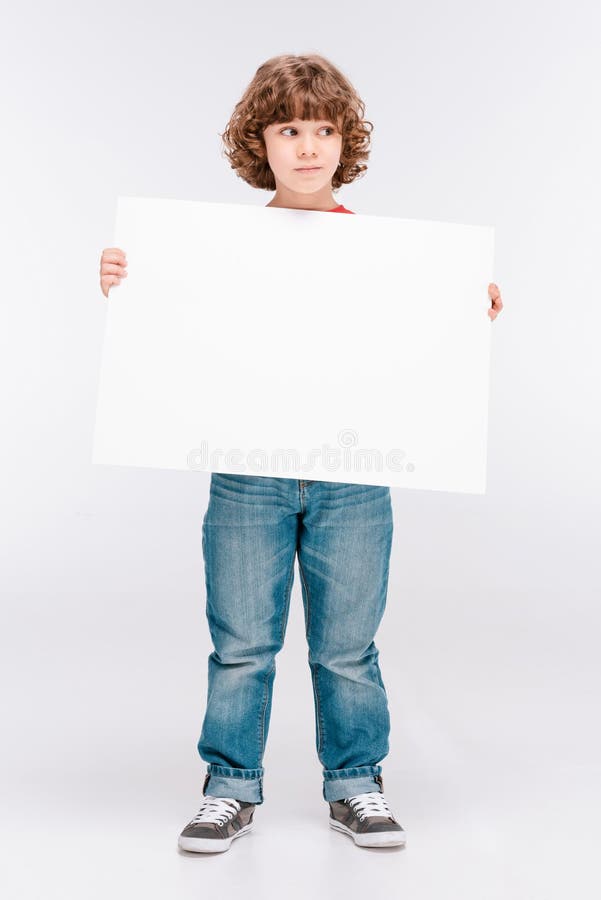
(489, 645)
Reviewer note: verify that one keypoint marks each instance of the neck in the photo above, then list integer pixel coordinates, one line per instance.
(322, 200)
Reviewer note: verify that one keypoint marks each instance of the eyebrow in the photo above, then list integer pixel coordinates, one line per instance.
(319, 122)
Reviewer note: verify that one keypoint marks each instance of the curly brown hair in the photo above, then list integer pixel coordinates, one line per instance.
(285, 88)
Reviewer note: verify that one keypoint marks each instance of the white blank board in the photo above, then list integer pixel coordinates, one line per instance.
(297, 344)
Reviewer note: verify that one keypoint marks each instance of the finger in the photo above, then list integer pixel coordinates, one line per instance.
(113, 255)
(112, 269)
(108, 280)
(111, 266)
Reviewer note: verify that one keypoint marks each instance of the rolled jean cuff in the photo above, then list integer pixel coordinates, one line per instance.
(241, 784)
(341, 783)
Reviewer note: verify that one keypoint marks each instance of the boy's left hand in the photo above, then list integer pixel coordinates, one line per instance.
(497, 303)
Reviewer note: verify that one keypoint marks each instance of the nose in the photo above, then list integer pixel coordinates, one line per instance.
(307, 146)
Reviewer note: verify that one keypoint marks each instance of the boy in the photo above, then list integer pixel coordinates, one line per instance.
(298, 130)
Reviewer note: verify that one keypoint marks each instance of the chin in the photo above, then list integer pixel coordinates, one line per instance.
(305, 188)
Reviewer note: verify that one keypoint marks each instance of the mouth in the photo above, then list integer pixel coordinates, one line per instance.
(309, 169)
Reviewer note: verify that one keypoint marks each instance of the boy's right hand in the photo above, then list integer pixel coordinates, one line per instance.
(113, 264)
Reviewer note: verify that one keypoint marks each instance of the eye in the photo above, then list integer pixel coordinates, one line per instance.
(291, 128)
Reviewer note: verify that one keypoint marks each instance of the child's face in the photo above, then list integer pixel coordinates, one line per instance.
(303, 143)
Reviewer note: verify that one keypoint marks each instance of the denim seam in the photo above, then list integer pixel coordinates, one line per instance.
(231, 772)
(272, 670)
(287, 598)
(342, 774)
(313, 667)
(318, 702)
(306, 586)
(385, 581)
(262, 716)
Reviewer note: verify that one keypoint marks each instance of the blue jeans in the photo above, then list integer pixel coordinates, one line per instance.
(252, 531)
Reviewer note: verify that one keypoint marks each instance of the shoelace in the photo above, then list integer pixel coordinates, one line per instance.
(216, 809)
(370, 804)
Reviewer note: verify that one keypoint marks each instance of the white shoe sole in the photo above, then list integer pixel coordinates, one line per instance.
(381, 839)
(210, 845)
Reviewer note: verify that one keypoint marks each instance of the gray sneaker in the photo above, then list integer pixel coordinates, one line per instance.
(367, 819)
(217, 823)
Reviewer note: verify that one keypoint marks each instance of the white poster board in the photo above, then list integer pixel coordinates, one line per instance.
(297, 344)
